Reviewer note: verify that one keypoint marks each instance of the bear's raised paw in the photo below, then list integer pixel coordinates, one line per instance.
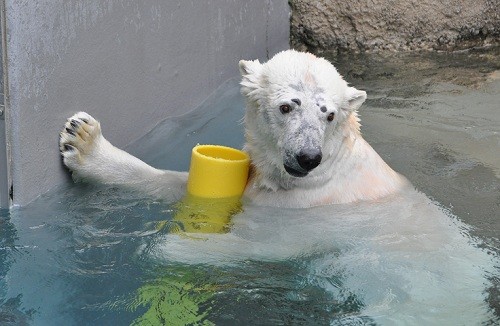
(79, 139)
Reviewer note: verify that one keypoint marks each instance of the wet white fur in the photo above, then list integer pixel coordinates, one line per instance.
(92, 158)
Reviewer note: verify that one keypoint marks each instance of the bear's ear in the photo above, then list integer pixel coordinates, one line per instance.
(354, 98)
(250, 73)
(249, 67)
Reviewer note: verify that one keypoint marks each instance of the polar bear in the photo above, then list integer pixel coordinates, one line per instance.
(302, 135)
(405, 259)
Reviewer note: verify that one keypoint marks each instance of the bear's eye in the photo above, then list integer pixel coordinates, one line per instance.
(285, 108)
(331, 116)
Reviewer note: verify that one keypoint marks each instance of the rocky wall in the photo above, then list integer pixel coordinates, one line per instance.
(390, 25)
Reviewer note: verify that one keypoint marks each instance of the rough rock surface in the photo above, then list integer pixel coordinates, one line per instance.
(379, 25)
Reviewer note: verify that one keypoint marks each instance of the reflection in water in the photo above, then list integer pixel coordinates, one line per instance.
(95, 255)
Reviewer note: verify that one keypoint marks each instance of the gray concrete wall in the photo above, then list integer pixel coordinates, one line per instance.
(129, 63)
(4, 182)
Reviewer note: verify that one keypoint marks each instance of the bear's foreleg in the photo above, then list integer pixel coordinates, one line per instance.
(92, 158)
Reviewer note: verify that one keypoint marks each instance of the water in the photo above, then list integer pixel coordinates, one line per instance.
(435, 118)
(85, 255)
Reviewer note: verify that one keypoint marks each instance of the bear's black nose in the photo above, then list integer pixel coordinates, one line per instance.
(308, 159)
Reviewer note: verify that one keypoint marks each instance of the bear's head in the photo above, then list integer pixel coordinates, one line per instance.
(297, 104)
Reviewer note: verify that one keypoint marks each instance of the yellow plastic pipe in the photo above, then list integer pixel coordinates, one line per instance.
(205, 215)
(217, 172)
(217, 179)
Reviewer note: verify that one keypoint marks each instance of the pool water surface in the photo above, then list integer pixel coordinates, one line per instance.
(91, 255)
